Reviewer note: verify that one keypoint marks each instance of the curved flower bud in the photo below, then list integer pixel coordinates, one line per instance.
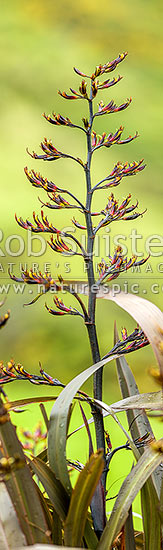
(77, 224)
(85, 122)
(63, 309)
(80, 73)
(94, 89)
(83, 89)
(127, 168)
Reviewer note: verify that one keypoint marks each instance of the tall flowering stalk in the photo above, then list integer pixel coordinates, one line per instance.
(112, 267)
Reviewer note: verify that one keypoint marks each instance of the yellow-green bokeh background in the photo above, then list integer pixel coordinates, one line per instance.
(40, 43)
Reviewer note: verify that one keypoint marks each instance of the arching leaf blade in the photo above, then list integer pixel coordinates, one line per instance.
(129, 489)
(58, 424)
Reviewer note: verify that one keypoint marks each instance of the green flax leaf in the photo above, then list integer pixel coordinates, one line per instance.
(151, 519)
(139, 422)
(81, 498)
(52, 486)
(147, 314)
(58, 424)
(22, 488)
(129, 532)
(151, 400)
(31, 401)
(146, 464)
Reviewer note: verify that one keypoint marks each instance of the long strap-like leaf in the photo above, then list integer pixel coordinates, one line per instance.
(129, 489)
(21, 487)
(81, 498)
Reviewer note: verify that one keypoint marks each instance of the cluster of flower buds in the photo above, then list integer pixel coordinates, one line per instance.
(63, 310)
(132, 342)
(58, 120)
(108, 83)
(13, 372)
(82, 89)
(41, 226)
(50, 152)
(102, 69)
(38, 181)
(33, 439)
(95, 84)
(114, 212)
(111, 139)
(44, 280)
(118, 264)
(10, 464)
(97, 141)
(120, 171)
(30, 277)
(59, 201)
(111, 107)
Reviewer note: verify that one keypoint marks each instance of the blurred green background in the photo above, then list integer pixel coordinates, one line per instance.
(40, 43)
